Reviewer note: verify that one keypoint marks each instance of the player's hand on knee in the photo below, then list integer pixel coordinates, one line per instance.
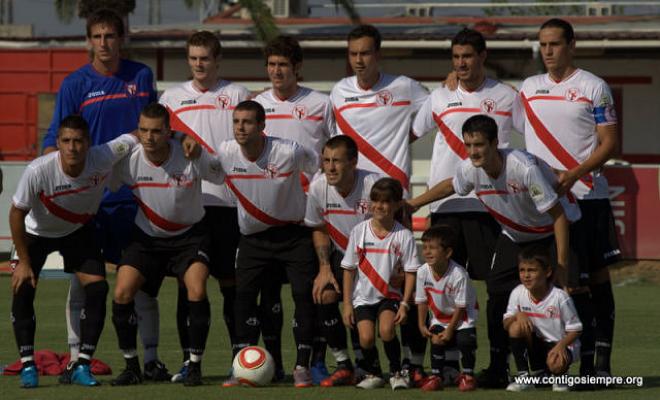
(524, 324)
(424, 330)
(322, 280)
(22, 273)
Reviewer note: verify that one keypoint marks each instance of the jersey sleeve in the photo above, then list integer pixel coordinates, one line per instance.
(120, 175)
(420, 294)
(518, 114)
(307, 158)
(463, 179)
(461, 287)
(329, 120)
(409, 258)
(210, 168)
(542, 193)
(351, 257)
(604, 111)
(418, 95)
(424, 122)
(569, 315)
(27, 190)
(512, 306)
(116, 149)
(314, 209)
(67, 103)
(149, 84)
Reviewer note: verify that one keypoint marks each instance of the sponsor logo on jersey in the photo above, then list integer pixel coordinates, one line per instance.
(224, 101)
(269, 110)
(362, 206)
(299, 112)
(542, 91)
(485, 186)
(572, 94)
(333, 205)
(454, 104)
(525, 308)
(144, 179)
(488, 106)
(384, 98)
(238, 169)
(131, 89)
(369, 244)
(351, 99)
(428, 284)
(271, 171)
(96, 94)
(179, 180)
(60, 188)
(186, 102)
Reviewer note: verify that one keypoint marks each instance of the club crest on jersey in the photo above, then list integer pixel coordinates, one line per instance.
(271, 171)
(179, 180)
(553, 312)
(395, 248)
(362, 206)
(131, 89)
(224, 101)
(384, 98)
(299, 112)
(515, 187)
(488, 106)
(572, 94)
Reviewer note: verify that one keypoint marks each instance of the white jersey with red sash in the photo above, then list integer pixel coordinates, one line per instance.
(552, 316)
(519, 197)
(207, 117)
(445, 111)
(379, 120)
(60, 204)
(561, 120)
(306, 118)
(444, 295)
(169, 195)
(377, 259)
(268, 190)
(339, 214)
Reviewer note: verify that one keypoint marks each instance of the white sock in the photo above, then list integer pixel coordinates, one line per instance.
(75, 302)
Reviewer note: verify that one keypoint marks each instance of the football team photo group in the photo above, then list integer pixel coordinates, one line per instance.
(215, 187)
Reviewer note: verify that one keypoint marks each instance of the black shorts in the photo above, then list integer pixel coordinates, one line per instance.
(541, 348)
(80, 250)
(113, 220)
(372, 311)
(265, 256)
(467, 335)
(477, 235)
(504, 276)
(335, 264)
(593, 237)
(224, 234)
(156, 257)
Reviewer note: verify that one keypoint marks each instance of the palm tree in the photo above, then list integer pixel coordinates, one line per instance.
(264, 23)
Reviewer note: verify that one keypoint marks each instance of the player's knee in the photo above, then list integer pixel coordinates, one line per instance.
(329, 297)
(196, 291)
(123, 294)
(557, 366)
(516, 331)
(435, 340)
(387, 331)
(466, 339)
(367, 339)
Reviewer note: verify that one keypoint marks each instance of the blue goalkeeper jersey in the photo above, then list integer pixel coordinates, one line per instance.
(110, 104)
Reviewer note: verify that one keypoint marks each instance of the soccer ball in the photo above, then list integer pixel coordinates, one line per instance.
(254, 366)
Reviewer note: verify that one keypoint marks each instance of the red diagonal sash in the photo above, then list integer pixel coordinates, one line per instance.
(371, 153)
(455, 144)
(62, 212)
(254, 210)
(177, 124)
(157, 220)
(376, 280)
(551, 143)
(337, 236)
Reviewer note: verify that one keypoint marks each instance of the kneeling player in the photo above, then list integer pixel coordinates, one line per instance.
(444, 288)
(54, 203)
(376, 248)
(169, 237)
(541, 321)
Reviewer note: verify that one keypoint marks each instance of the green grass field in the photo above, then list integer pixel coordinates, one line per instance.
(637, 353)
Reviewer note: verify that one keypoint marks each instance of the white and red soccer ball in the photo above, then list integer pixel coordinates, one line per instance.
(253, 366)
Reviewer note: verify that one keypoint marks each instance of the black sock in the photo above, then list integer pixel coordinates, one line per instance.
(92, 316)
(304, 318)
(393, 353)
(125, 321)
(519, 350)
(23, 319)
(370, 361)
(357, 350)
(437, 359)
(84, 361)
(466, 340)
(182, 321)
(133, 363)
(247, 322)
(228, 300)
(319, 345)
(604, 313)
(333, 329)
(271, 322)
(198, 327)
(584, 307)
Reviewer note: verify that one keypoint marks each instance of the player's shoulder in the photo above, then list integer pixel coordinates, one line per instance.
(402, 231)
(520, 158)
(174, 91)
(424, 270)
(501, 86)
(345, 84)
(533, 82)
(318, 185)
(457, 270)
(368, 177)
(559, 294)
(518, 291)
(313, 95)
(229, 87)
(42, 164)
(134, 66)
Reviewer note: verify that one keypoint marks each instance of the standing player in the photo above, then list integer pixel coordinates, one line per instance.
(337, 201)
(376, 109)
(517, 189)
(378, 249)
(264, 175)
(571, 124)
(304, 116)
(169, 237)
(202, 108)
(100, 91)
(447, 110)
(52, 210)
(541, 321)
